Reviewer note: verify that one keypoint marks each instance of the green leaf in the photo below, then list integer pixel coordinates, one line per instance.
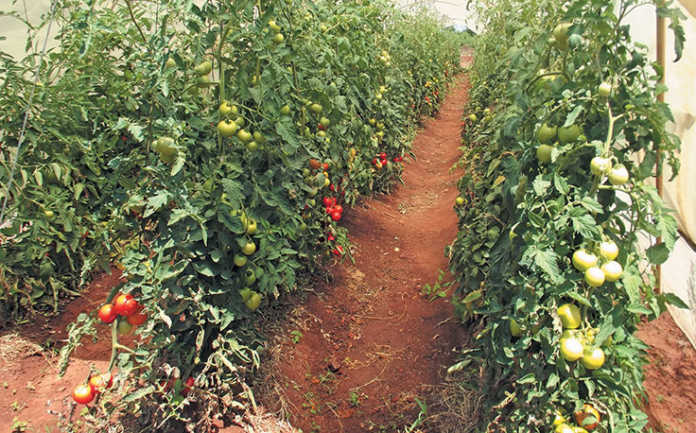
(156, 202)
(527, 378)
(570, 119)
(675, 300)
(658, 253)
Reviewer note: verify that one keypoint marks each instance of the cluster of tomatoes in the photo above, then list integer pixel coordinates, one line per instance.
(333, 209)
(338, 251)
(128, 308)
(85, 392)
(588, 417)
(380, 160)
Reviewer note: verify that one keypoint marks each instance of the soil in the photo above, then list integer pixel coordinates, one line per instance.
(364, 349)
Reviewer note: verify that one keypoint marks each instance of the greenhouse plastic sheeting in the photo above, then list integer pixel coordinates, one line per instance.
(679, 272)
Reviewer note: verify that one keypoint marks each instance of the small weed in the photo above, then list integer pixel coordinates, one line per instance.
(439, 289)
(18, 426)
(17, 406)
(355, 399)
(296, 336)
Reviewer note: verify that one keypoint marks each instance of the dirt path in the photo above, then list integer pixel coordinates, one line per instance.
(369, 343)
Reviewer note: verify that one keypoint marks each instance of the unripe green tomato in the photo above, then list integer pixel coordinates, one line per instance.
(568, 134)
(254, 301)
(582, 260)
(285, 110)
(259, 138)
(572, 349)
(203, 68)
(546, 133)
(316, 108)
(240, 260)
(278, 38)
(543, 153)
(459, 201)
(612, 271)
(243, 135)
(594, 276)
(252, 146)
(515, 329)
(599, 166)
(608, 250)
(618, 175)
(604, 89)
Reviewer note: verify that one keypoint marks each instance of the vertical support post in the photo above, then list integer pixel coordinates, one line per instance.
(661, 31)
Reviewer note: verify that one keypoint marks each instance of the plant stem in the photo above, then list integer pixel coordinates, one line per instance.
(137, 26)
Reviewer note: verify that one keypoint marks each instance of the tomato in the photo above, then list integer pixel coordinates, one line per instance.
(335, 215)
(100, 382)
(316, 108)
(560, 34)
(594, 276)
(49, 214)
(227, 128)
(251, 226)
(570, 316)
(107, 314)
(612, 271)
(568, 134)
(170, 63)
(558, 418)
(321, 134)
(563, 428)
(459, 201)
(246, 293)
(285, 110)
(226, 109)
(125, 305)
(124, 328)
(252, 146)
(244, 135)
(618, 175)
(203, 68)
(330, 238)
(582, 260)
(324, 122)
(272, 24)
(546, 133)
(588, 417)
(600, 166)
(254, 301)
(593, 358)
(543, 153)
(314, 164)
(188, 385)
(323, 28)
(278, 38)
(608, 250)
(604, 89)
(250, 277)
(240, 260)
(259, 137)
(577, 429)
(571, 349)
(338, 208)
(82, 394)
(472, 116)
(138, 318)
(249, 248)
(515, 329)
(338, 251)
(325, 166)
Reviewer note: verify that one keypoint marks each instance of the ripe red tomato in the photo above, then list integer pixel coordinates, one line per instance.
(100, 382)
(107, 314)
(188, 385)
(326, 201)
(82, 394)
(383, 155)
(330, 237)
(338, 250)
(338, 208)
(332, 187)
(374, 161)
(137, 319)
(326, 166)
(336, 215)
(125, 305)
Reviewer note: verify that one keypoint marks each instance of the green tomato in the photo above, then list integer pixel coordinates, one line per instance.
(618, 175)
(599, 166)
(563, 428)
(608, 250)
(593, 358)
(170, 63)
(568, 134)
(251, 226)
(246, 293)
(570, 316)
(243, 135)
(272, 24)
(316, 108)
(227, 128)
(325, 122)
(572, 349)
(240, 260)
(203, 68)
(259, 138)
(543, 153)
(49, 214)
(546, 133)
(515, 329)
(278, 38)
(459, 201)
(225, 109)
(604, 89)
(250, 277)
(594, 276)
(254, 301)
(252, 146)
(612, 271)
(249, 248)
(285, 110)
(582, 260)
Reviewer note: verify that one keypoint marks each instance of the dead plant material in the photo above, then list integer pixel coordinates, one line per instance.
(454, 406)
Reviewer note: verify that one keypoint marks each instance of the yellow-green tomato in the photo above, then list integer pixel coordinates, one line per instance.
(608, 250)
(254, 301)
(543, 153)
(515, 329)
(251, 226)
(203, 68)
(604, 89)
(227, 128)
(618, 175)
(244, 135)
(563, 428)
(582, 260)
(240, 260)
(571, 349)
(278, 38)
(612, 271)
(459, 201)
(600, 166)
(546, 133)
(593, 358)
(570, 316)
(594, 276)
(249, 248)
(568, 134)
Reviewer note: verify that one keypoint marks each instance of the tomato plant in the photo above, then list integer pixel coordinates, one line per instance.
(550, 234)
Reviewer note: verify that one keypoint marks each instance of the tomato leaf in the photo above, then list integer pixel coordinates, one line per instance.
(658, 253)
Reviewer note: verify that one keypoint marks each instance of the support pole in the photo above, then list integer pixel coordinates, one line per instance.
(661, 31)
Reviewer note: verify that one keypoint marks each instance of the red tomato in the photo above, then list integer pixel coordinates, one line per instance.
(125, 305)
(321, 127)
(137, 319)
(82, 394)
(188, 384)
(374, 161)
(326, 201)
(330, 237)
(332, 201)
(332, 187)
(338, 208)
(336, 215)
(383, 155)
(326, 166)
(338, 250)
(107, 314)
(100, 382)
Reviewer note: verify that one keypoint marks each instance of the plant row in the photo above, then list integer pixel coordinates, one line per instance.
(210, 150)
(559, 217)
